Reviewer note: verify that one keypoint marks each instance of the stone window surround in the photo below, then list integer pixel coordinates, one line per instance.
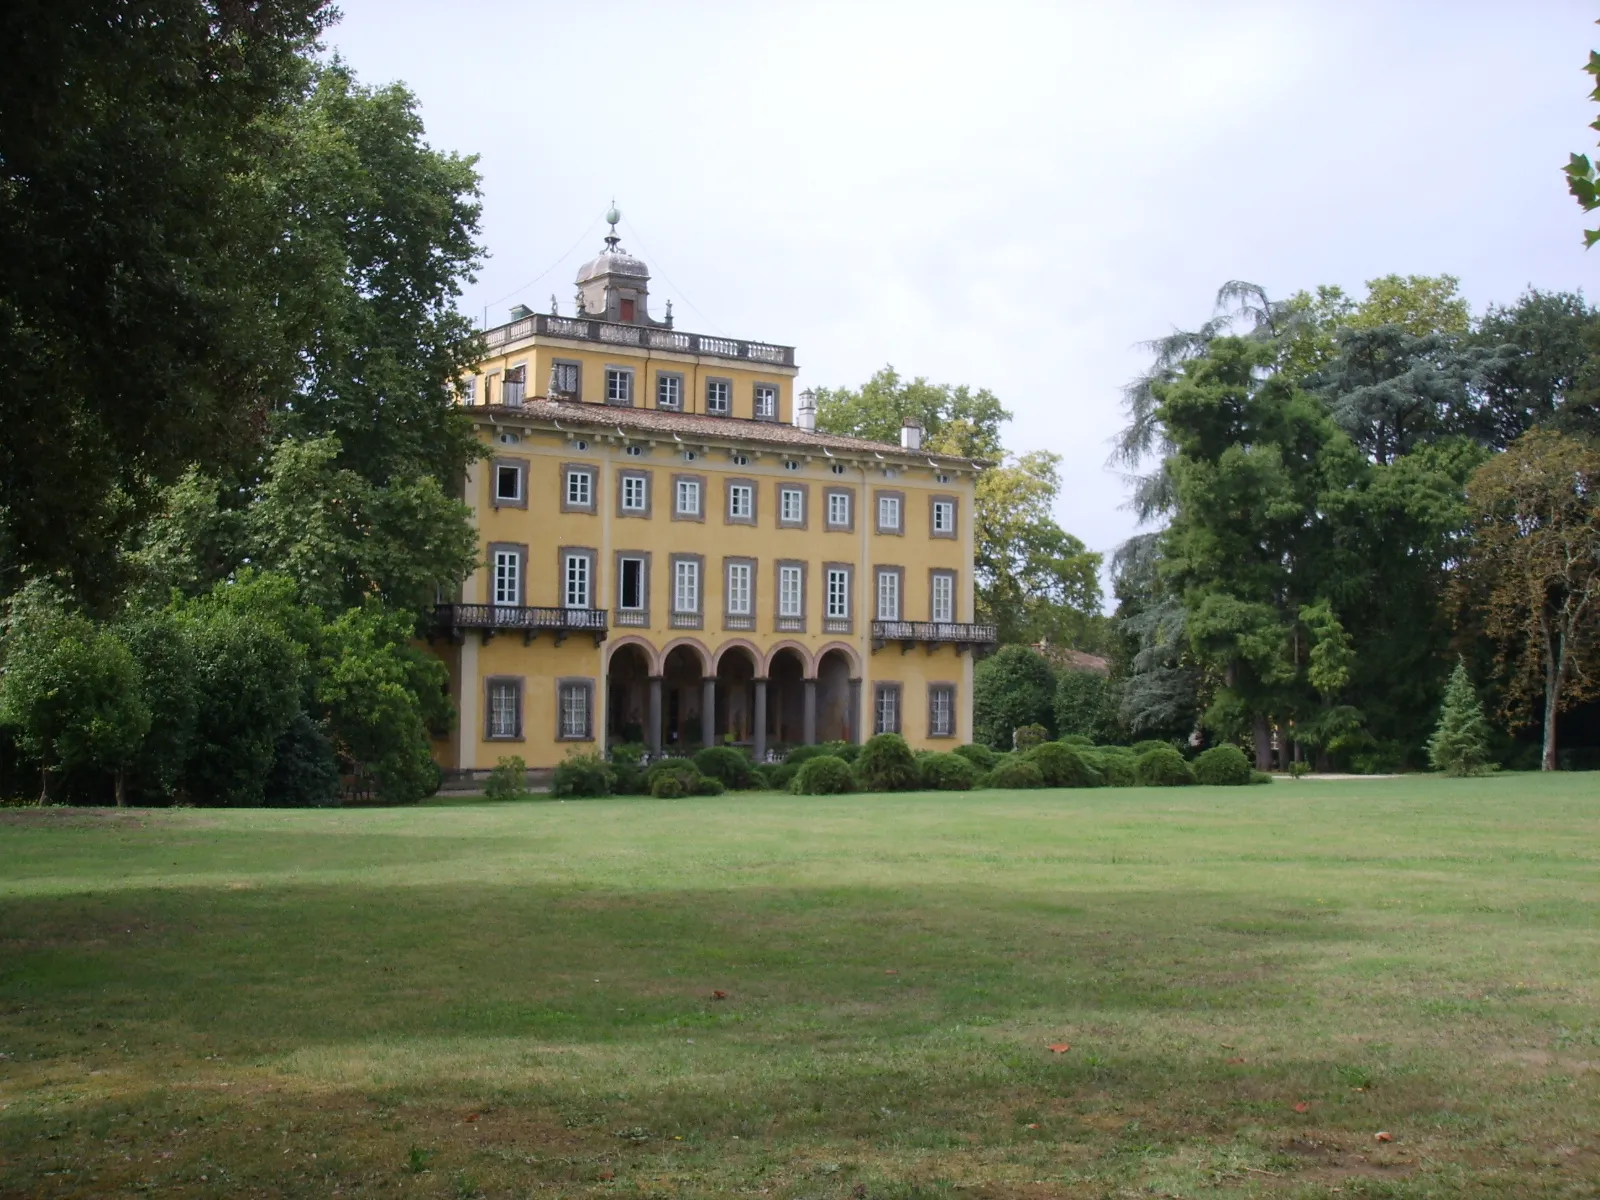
(594, 481)
(725, 382)
(730, 560)
(681, 619)
(520, 465)
(521, 551)
(955, 599)
(777, 399)
(644, 580)
(880, 494)
(849, 570)
(645, 474)
(587, 684)
(518, 683)
(727, 500)
(678, 375)
(942, 686)
(955, 515)
(805, 504)
(694, 516)
(900, 591)
(593, 556)
(827, 507)
(777, 590)
(878, 690)
(577, 366)
(632, 385)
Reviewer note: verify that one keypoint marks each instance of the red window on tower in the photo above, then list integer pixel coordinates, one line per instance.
(627, 310)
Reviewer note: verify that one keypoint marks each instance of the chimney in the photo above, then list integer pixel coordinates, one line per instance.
(805, 413)
(911, 434)
(518, 311)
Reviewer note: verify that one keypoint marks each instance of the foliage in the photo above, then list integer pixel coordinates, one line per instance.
(799, 754)
(672, 778)
(1149, 744)
(955, 420)
(980, 756)
(849, 751)
(1011, 688)
(1114, 768)
(629, 776)
(1027, 737)
(1531, 570)
(1222, 766)
(1163, 767)
(727, 763)
(1013, 774)
(1460, 742)
(1537, 365)
(1583, 181)
(1084, 706)
(304, 772)
(777, 776)
(581, 774)
(886, 764)
(823, 775)
(161, 649)
(1062, 766)
(508, 780)
(946, 772)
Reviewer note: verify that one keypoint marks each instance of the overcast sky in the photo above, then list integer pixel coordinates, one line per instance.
(1006, 195)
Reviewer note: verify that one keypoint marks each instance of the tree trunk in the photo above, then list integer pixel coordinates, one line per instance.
(1263, 743)
(44, 785)
(1552, 705)
(122, 787)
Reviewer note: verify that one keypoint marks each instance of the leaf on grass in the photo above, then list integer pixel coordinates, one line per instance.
(1059, 1048)
(1302, 1107)
(719, 994)
(1381, 1136)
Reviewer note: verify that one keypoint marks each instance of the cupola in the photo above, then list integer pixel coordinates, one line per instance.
(615, 286)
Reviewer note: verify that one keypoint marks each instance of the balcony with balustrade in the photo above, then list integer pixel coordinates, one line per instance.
(454, 620)
(963, 635)
(609, 333)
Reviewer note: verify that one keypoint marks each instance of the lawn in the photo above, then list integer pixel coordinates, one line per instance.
(793, 997)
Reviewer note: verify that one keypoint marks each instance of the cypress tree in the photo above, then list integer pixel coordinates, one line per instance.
(1460, 742)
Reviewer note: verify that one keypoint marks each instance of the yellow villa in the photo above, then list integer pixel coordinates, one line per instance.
(673, 554)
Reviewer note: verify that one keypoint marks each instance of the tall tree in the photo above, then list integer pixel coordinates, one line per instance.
(1533, 569)
(955, 420)
(1539, 364)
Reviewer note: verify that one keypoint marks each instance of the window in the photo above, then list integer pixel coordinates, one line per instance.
(838, 594)
(941, 477)
(941, 710)
(717, 391)
(626, 307)
(838, 510)
(739, 602)
(837, 468)
(507, 578)
(469, 390)
(635, 493)
(516, 386)
(886, 708)
(686, 502)
(619, 386)
(791, 464)
(669, 392)
(741, 460)
(888, 593)
(686, 586)
(576, 574)
(944, 598)
(579, 493)
(741, 502)
(507, 483)
(766, 402)
(630, 584)
(634, 451)
(564, 379)
(505, 708)
(791, 591)
(572, 703)
(889, 504)
(791, 506)
(942, 518)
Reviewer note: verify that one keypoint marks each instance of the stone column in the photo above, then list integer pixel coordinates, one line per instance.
(809, 717)
(708, 709)
(761, 719)
(653, 735)
(855, 711)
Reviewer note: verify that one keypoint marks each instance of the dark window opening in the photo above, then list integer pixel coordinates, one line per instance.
(508, 484)
(633, 583)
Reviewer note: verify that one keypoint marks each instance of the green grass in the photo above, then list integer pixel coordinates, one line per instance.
(519, 999)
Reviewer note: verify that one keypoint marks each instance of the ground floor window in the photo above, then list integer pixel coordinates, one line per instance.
(886, 708)
(574, 709)
(941, 710)
(505, 708)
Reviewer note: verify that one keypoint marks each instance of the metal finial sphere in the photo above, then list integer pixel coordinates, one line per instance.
(612, 214)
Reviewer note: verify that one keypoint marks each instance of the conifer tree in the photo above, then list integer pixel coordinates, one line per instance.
(1460, 743)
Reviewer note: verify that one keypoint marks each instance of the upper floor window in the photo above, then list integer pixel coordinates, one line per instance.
(717, 397)
(515, 387)
(741, 502)
(469, 390)
(686, 586)
(791, 506)
(889, 514)
(888, 594)
(508, 483)
(631, 586)
(635, 497)
(944, 517)
(944, 598)
(739, 589)
(564, 379)
(669, 392)
(577, 573)
(688, 498)
(580, 487)
(619, 386)
(791, 584)
(838, 593)
(766, 401)
(507, 578)
(839, 510)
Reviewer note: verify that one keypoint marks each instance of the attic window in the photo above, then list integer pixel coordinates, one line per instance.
(627, 310)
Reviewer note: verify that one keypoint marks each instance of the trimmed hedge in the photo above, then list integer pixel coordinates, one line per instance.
(777, 776)
(978, 755)
(1222, 766)
(628, 775)
(845, 750)
(1062, 766)
(731, 765)
(1142, 748)
(1260, 777)
(672, 778)
(801, 753)
(823, 775)
(582, 775)
(1029, 736)
(947, 773)
(1016, 773)
(1117, 769)
(1076, 739)
(886, 764)
(1163, 767)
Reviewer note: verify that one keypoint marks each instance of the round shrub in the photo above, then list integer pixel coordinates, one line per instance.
(1015, 773)
(1163, 767)
(978, 755)
(508, 780)
(1115, 765)
(1076, 739)
(1062, 766)
(1222, 766)
(947, 773)
(674, 777)
(582, 775)
(800, 754)
(777, 776)
(628, 773)
(1260, 777)
(823, 775)
(1145, 747)
(845, 750)
(731, 765)
(1026, 737)
(886, 764)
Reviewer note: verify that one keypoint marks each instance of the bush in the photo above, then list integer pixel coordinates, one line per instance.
(979, 756)
(1062, 766)
(947, 773)
(508, 780)
(582, 775)
(1260, 777)
(1115, 765)
(628, 776)
(1142, 748)
(1076, 739)
(848, 751)
(823, 775)
(1460, 743)
(1027, 737)
(305, 773)
(1163, 767)
(672, 778)
(886, 764)
(1015, 773)
(1085, 705)
(778, 776)
(1011, 688)
(1222, 766)
(732, 766)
